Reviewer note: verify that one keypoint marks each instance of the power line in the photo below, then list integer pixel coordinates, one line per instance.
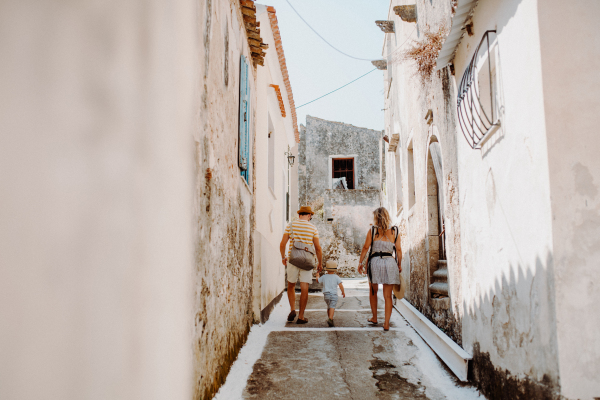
(317, 33)
(337, 88)
(397, 49)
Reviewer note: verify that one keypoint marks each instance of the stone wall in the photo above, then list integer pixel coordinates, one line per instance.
(223, 203)
(321, 139)
(343, 217)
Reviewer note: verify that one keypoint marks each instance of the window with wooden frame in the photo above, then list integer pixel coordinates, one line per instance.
(344, 168)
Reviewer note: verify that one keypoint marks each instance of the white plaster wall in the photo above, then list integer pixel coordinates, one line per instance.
(505, 211)
(270, 204)
(570, 60)
(95, 195)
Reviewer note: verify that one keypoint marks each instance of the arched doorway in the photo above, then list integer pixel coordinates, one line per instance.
(438, 265)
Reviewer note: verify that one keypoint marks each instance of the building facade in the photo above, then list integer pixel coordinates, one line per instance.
(276, 136)
(496, 184)
(133, 137)
(339, 176)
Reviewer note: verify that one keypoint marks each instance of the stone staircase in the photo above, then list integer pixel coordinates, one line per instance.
(440, 280)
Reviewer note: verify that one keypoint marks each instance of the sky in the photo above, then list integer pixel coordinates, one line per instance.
(315, 68)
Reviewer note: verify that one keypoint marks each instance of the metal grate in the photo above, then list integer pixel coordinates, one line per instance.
(344, 167)
(476, 117)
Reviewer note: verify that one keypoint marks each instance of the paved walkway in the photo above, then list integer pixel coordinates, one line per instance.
(351, 361)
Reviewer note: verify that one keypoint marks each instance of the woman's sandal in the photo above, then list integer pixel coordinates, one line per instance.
(386, 329)
(370, 320)
(302, 321)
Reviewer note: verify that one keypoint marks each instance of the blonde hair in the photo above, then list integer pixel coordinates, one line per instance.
(382, 220)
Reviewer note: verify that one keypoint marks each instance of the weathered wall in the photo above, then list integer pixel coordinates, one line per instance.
(324, 138)
(95, 239)
(571, 85)
(407, 104)
(223, 203)
(342, 216)
(506, 216)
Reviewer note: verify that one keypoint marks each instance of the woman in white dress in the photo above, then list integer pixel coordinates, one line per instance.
(383, 264)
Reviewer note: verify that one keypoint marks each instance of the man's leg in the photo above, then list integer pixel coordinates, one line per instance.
(303, 298)
(291, 289)
(330, 312)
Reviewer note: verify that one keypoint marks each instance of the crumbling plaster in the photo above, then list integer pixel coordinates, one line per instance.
(223, 212)
(407, 104)
(343, 217)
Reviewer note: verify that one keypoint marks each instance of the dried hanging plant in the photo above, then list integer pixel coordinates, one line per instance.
(424, 53)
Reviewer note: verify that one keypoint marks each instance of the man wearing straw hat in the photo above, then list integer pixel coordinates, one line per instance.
(300, 230)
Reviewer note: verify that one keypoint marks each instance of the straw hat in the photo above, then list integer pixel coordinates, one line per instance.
(400, 289)
(305, 209)
(331, 266)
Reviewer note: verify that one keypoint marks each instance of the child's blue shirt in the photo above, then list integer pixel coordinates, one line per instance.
(330, 283)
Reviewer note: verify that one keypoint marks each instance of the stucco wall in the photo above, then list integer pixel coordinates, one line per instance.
(271, 202)
(407, 104)
(223, 215)
(95, 239)
(505, 212)
(570, 62)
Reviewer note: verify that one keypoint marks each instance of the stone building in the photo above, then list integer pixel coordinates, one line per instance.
(492, 173)
(339, 176)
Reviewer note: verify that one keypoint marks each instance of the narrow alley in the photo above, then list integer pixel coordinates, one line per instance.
(353, 360)
(169, 169)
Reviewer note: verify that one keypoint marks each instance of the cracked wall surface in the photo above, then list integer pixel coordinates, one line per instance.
(223, 203)
(343, 217)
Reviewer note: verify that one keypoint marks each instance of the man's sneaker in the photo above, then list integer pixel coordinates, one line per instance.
(330, 322)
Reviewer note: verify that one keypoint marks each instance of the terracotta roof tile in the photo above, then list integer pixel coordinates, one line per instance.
(284, 71)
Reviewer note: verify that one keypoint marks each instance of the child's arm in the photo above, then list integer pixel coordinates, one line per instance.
(342, 287)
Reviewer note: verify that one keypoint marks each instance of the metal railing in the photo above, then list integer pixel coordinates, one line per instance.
(475, 122)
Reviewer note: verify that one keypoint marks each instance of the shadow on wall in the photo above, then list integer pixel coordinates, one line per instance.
(512, 331)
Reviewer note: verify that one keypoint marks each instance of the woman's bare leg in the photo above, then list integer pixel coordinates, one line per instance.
(373, 287)
(387, 295)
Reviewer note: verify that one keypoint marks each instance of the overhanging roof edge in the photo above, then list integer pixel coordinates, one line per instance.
(448, 49)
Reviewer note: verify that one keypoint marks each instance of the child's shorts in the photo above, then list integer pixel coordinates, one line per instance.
(331, 299)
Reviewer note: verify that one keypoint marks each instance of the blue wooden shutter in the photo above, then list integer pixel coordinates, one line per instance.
(244, 124)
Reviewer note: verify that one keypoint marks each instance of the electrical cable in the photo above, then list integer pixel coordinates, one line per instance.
(317, 33)
(337, 88)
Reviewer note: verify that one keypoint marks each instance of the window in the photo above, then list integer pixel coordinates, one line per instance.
(244, 120)
(399, 198)
(344, 168)
(411, 176)
(271, 163)
(479, 103)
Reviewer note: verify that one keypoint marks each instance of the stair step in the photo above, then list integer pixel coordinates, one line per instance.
(442, 263)
(439, 288)
(441, 273)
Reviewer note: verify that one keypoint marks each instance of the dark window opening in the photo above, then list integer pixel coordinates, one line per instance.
(344, 168)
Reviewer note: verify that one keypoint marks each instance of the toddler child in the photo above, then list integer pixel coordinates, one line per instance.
(330, 282)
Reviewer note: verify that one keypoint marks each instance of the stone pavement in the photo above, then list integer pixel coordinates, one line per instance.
(354, 360)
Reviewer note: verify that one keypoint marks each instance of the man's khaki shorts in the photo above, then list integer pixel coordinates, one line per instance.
(293, 273)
